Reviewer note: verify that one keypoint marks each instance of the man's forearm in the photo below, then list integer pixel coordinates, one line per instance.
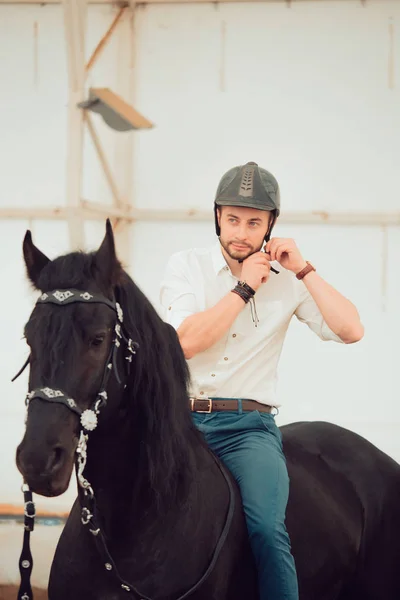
(339, 313)
(202, 330)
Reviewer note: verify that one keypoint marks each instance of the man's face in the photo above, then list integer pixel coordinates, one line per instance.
(242, 230)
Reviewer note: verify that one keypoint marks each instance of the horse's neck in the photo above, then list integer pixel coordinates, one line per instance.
(138, 534)
(112, 470)
(117, 471)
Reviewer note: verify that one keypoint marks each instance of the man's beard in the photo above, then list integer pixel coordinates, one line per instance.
(238, 254)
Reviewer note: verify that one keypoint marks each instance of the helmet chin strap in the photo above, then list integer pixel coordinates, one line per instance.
(266, 240)
(270, 228)
(240, 260)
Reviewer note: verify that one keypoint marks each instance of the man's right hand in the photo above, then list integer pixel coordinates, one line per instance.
(256, 270)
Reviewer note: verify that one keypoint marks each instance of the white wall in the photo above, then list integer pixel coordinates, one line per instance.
(303, 91)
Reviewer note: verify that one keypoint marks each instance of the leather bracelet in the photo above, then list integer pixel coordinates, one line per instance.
(246, 287)
(240, 292)
(305, 271)
(243, 290)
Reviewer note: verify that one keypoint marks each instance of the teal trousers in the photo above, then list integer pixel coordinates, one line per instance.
(250, 445)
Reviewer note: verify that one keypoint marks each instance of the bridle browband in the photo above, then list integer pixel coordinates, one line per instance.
(88, 421)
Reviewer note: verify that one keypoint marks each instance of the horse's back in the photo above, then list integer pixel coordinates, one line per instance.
(343, 513)
(341, 448)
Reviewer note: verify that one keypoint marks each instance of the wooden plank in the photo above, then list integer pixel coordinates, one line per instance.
(121, 3)
(122, 108)
(87, 209)
(103, 160)
(104, 40)
(97, 210)
(392, 54)
(34, 212)
(74, 27)
(124, 144)
(360, 218)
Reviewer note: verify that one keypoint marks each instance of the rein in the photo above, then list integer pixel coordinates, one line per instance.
(88, 420)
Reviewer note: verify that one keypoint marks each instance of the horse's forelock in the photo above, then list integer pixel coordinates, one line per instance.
(74, 270)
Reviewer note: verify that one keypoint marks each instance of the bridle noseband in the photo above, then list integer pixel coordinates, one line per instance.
(88, 420)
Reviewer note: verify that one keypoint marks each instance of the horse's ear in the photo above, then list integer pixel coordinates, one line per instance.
(35, 260)
(105, 258)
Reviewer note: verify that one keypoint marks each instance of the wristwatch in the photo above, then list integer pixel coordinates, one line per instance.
(305, 271)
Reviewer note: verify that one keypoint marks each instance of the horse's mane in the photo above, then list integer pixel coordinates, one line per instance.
(157, 395)
(160, 380)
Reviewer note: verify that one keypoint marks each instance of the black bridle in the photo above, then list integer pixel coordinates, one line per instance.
(88, 421)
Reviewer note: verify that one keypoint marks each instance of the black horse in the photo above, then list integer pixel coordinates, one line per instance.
(154, 511)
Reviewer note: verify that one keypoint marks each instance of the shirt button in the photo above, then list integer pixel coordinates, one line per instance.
(169, 307)
(233, 334)
(212, 374)
(201, 393)
(226, 268)
(225, 358)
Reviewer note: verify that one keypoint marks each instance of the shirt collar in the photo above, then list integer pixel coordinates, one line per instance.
(218, 260)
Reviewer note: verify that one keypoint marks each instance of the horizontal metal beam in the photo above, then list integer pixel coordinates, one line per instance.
(97, 210)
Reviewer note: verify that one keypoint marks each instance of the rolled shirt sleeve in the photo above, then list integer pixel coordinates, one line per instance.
(309, 313)
(177, 297)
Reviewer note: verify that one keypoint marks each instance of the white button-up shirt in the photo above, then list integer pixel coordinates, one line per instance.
(243, 363)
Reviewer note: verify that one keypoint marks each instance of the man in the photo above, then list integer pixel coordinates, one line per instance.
(231, 306)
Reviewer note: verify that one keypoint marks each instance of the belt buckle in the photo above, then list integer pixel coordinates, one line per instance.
(210, 404)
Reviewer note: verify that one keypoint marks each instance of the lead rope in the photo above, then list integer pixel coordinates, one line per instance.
(26, 560)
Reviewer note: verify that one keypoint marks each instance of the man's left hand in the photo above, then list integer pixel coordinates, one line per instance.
(285, 251)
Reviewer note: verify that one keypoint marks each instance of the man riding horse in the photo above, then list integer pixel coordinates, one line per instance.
(232, 316)
(157, 515)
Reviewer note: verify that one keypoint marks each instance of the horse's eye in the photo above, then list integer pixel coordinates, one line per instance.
(97, 340)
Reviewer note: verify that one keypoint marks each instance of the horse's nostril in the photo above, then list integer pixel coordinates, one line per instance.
(56, 459)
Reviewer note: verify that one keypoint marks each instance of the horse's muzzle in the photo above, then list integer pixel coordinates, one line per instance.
(47, 476)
